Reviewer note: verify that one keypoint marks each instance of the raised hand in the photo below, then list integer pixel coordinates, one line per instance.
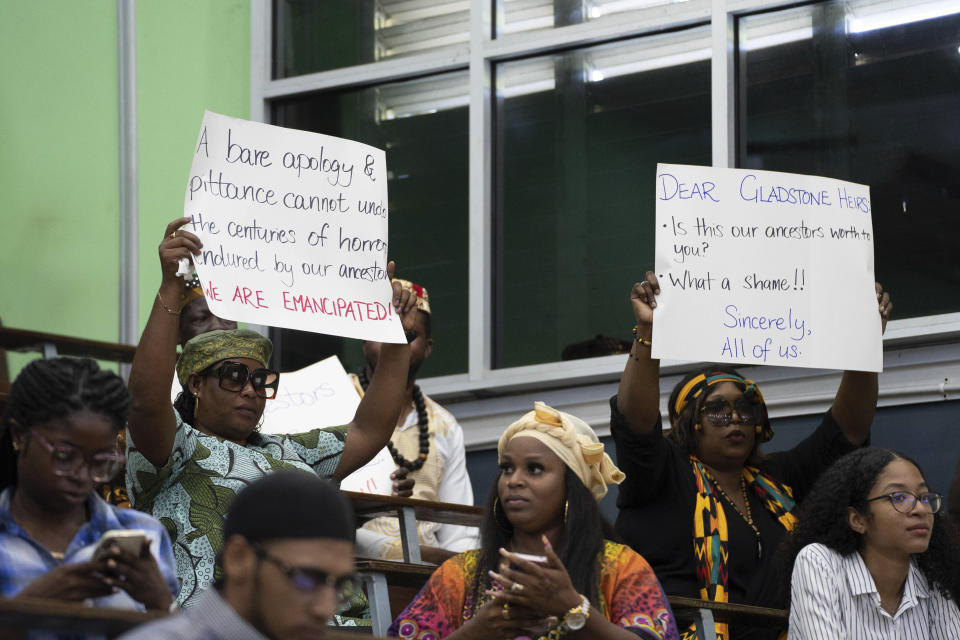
(643, 298)
(176, 244)
(404, 302)
(885, 304)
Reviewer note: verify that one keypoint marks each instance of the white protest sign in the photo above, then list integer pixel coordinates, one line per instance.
(320, 395)
(758, 267)
(294, 229)
(373, 477)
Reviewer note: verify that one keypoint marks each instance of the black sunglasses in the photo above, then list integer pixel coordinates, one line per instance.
(720, 412)
(233, 377)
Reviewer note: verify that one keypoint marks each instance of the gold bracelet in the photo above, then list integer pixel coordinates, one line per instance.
(173, 312)
(645, 342)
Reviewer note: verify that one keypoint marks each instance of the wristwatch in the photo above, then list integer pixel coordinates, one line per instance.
(576, 618)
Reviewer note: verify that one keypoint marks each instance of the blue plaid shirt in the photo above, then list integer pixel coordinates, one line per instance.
(23, 560)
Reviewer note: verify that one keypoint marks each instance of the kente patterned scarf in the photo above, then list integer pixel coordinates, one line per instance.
(711, 537)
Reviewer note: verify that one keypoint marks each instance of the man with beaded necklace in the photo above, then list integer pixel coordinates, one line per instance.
(427, 446)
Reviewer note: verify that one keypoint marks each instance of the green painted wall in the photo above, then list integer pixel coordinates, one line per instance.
(59, 147)
(191, 56)
(58, 168)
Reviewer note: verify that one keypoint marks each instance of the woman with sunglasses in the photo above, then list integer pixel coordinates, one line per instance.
(185, 463)
(58, 441)
(873, 557)
(720, 506)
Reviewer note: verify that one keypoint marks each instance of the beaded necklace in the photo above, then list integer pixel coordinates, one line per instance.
(422, 422)
(748, 517)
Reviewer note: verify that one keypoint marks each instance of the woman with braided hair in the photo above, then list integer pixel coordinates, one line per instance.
(703, 505)
(546, 568)
(58, 441)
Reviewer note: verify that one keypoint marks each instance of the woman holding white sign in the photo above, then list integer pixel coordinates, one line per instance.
(703, 505)
(185, 463)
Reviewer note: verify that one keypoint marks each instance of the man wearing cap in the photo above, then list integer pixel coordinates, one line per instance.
(427, 445)
(287, 560)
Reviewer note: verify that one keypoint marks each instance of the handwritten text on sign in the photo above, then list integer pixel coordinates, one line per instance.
(758, 267)
(319, 395)
(294, 229)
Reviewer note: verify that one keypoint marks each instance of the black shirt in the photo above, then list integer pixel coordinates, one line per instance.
(658, 498)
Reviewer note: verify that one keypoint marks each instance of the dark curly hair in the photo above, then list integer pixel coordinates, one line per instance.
(822, 517)
(584, 530)
(682, 425)
(56, 388)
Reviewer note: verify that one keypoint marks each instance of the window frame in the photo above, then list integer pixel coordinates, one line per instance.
(913, 336)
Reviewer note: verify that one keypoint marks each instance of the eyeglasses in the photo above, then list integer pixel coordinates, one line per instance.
(308, 580)
(720, 413)
(68, 460)
(233, 377)
(905, 501)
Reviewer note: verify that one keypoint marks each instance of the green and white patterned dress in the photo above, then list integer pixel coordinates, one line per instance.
(192, 492)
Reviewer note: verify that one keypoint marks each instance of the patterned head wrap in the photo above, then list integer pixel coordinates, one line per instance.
(423, 299)
(207, 348)
(572, 440)
(696, 386)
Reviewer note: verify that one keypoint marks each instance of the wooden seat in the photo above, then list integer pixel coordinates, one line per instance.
(703, 613)
(51, 345)
(391, 585)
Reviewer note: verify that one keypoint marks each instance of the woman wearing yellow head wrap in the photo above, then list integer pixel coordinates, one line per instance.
(545, 569)
(185, 463)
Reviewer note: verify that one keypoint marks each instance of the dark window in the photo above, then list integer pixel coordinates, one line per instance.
(579, 135)
(312, 35)
(869, 93)
(422, 126)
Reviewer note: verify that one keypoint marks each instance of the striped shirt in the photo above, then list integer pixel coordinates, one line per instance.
(834, 596)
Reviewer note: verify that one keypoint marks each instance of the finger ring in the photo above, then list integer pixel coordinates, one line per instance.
(516, 587)
(506, 611)
(173, 235)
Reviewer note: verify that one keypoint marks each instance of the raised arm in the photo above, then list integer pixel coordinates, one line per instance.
(638, 397)
(152, 422)
(856, 401)
(376, 417)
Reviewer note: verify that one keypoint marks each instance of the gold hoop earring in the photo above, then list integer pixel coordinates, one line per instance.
(566, 507)
(196, 406)
(496, 518)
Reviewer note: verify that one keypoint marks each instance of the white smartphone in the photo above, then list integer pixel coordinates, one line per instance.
(532, 558)
(130, 540)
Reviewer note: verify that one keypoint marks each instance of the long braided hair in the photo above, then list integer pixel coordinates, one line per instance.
(56, 388)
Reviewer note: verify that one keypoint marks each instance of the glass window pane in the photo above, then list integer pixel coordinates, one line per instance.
(422, 126)
(516, 16)
(868, 91)
(312, 36)
(578, 139)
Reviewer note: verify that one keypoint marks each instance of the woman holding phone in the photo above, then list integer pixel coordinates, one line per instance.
(545, 569)
(58, 441)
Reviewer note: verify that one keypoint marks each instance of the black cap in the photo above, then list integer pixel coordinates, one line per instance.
(290, 504)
